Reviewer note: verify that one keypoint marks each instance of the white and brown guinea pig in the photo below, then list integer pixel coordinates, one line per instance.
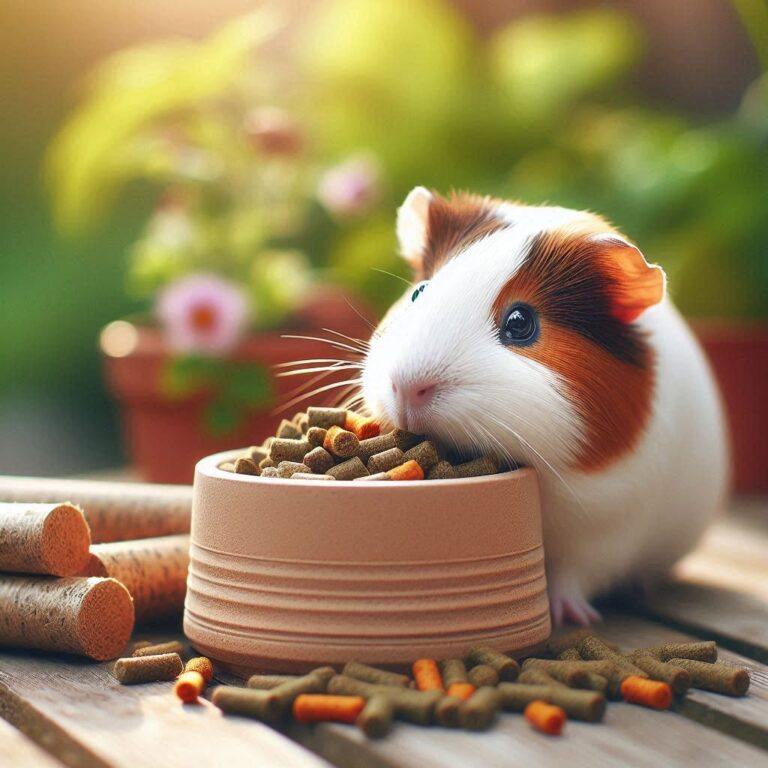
(542, 335)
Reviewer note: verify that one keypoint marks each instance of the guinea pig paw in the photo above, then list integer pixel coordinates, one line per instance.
(571, 608)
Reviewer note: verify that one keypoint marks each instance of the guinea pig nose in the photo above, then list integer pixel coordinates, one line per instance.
(416, 394)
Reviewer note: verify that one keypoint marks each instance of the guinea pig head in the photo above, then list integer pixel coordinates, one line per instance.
(519, 334)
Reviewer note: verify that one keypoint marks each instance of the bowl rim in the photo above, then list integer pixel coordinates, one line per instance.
(210, 466)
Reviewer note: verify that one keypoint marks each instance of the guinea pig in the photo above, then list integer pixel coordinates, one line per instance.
(543, 336)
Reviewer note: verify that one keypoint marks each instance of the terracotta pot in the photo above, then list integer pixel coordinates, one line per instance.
(165, 437)
(739, 357)
(286, 575)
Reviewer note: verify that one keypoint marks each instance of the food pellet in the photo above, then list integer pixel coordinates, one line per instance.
(368, 674)
(374, 445)
(174, 646)
(443, 470)
(290, 468)
(714, 676)
(679, 679)
(482, 675)
(288, 429)
(257, 454)
(649, 693)
(593, 647)
(316, 436)
(189, 686)
(411, 470)
(340, 443)
(245, 466)
(703, 651)
(425, 453)
(269, 472)
(405, 440)
(133, 670)
(301, 420)
(268, 682)
(506, 667)
(447, 709)
(478, 712)
(536, 676)
(326, 417)
(310, 476)
(202, 665)
(286, 692)
(289, 450)
(597, 681)
(348, 470)
(460, 690)
(384, 461)
(261, 705)
(544, 717)
(267, 463)
(319, 460)
(453, 671)
(485, 465)
(324, 708)
(364, 427)
(567, 672)
(375, 720)
(580, 705)
(426, 673)
(377, 476)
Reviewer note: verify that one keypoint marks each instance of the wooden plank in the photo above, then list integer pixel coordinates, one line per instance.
(78, 712)
(17, 751)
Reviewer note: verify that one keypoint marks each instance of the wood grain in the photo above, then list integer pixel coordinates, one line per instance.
(17, 751)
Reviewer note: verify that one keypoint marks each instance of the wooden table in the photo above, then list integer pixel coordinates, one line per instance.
(72, 712)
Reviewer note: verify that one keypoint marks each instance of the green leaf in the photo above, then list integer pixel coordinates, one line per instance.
(250, 384)
(222, 417)
(183, 376)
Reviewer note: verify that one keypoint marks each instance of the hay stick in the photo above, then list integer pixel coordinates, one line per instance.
(51, 539)
(154, 571)
(114, 511)
(87, 616)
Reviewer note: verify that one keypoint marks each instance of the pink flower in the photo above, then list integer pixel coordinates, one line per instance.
(203, 313)
(351, 188)
(273, 131)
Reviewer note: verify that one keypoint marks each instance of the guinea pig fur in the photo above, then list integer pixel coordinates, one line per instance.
(542, 335)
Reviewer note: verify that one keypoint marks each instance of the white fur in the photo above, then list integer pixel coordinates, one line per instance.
(628, 522)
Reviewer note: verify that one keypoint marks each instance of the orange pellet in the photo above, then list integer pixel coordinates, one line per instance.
(188, 686)
(363, 426)
(411, 470)
(202, 665)
(545, 717)
(461, 690)
(322, 707)
(427, 675)
(649, 693)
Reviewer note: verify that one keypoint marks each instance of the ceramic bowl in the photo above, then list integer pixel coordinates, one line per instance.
(286, 575)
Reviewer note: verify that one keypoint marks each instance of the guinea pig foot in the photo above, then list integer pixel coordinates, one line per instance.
(571, 608)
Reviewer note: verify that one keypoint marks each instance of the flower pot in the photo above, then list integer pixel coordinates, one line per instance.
(166, 435)
(286, 575)
(739, 357)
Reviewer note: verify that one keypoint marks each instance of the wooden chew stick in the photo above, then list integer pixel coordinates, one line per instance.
(114, 511)
(154, 571)
(52, 539)
(88, 616)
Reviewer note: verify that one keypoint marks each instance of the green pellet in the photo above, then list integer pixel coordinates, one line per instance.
(155, 649)
(405, 440)
(290, 468)
(260, 705)
(246, 466)
(257, 454)
(348, 470)
(702, 651)
(580, 705)
(425, 453)
(267, 463)
(375, 721)
(485, 465)
(443, 470)
(268, 682)
(506, 667)
(564, 671)
(384, 461)
(314, 682)
(478, 712)
(288, 450)
(288, 430)
(483, 675)
(678, 679)
(319, 460)
(447, 711)
(326, 417)
(453, 671)
(374, 675)
(535, 676)
(374, 445)
(714, 676)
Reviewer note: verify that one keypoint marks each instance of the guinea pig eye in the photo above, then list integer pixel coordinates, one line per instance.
(519, 326)
(418, 290)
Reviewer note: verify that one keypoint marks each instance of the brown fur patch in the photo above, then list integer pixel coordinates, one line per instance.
(453, 224)
(606, 364)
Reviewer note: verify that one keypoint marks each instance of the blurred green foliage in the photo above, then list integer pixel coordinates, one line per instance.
(543, 111)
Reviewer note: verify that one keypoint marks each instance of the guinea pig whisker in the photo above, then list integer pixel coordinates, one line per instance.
(305, 371)
(320, 390)
(332, 342)
(306, 385)
(392, 274)
(363, 344)
(310, 360)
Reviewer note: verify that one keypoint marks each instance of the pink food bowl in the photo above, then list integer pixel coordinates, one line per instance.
(286, 575)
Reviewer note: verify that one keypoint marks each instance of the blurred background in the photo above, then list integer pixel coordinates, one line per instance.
(183, 182)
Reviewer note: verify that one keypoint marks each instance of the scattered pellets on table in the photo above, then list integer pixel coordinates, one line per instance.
(425, 453)
(369, 674)
(448, 708)
(702, 651)
(506, 667)
(411, 470)
(536, 676)
(384, 461)
(326, 417)
(485, 465)
(325, 708)
(649, 693)
(260, 705)
(268, 682)
(375, 720)
(290, 468)
(340, 443)
(189, 686)
(200, 664)
(568, 641)
(679, 679)
(426, 673)
(567, 672)
(288, 430)
(348, 470)
(148, 669)
(443, 470)
(483, 675)
(453, 671)
(173, 646)
(478, 712)
(546, 718)
(714, 676)
(365, 427)
(405, 440)
(244, 466)
(319, 460)
(580, 705)
(289, 450)
(373, 445)
(286, 692)
(137, 645)
(593, 647)
(316, 436)
(461, 690)
(569, 654)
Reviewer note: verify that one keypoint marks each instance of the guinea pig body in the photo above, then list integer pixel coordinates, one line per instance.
(543, 336)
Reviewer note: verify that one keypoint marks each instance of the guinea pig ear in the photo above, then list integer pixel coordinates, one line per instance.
(413, 225)
(638, 284)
